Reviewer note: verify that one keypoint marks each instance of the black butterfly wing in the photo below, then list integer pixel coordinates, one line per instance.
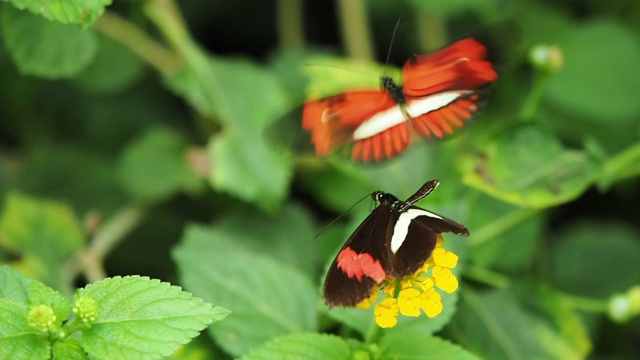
(369, 238)
(412, 249)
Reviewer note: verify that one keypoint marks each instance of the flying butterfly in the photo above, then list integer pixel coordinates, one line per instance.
(441, 91)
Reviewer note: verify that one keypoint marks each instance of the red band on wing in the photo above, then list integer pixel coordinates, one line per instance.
(445, 119)
(358, 265)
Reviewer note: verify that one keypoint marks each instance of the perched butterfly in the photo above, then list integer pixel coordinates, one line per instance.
(440, 92)
(394, 241)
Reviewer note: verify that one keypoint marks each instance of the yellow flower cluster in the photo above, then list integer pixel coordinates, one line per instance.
(409, 295)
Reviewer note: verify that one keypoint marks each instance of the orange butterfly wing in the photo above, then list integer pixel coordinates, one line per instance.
(442, 88)
(334, 122)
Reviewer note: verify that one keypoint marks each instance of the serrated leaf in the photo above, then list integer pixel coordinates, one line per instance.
(17, 340)
(494, 325)
(68, 349)
(612, 246)
(603, 96)
(141, 318)
(14, 285)
(81, 12)
(267, 298)
(44, 232)
(155, 167)
(529, 168)
(302, 346)
(409, 345)
(241, 164)
(45, 48)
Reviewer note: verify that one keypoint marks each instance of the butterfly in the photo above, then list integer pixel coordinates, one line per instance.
(441, 91)
(394, 241)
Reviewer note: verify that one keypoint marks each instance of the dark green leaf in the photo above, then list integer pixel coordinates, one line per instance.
(593, 259)
(524, 166)
(267, 298)
(45, 48)
(17, 340)
(409, 345)
(302, 346)
(155, 166)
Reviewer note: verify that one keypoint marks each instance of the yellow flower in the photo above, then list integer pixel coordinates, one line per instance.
(444, 258)
(431, 303)
(444, 279)
(409, 302)
(386, 313)
(366, 303)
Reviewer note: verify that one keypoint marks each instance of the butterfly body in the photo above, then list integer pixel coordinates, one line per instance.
(394, 241)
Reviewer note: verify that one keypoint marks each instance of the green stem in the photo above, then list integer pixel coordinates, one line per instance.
(431, 30)
(586, 304)
(290, 24)
(167, 17)
(623, 165)
(486, 276)
(501, 225)
(355, 29)
(535, 96)
(141, 44)
(372, 332)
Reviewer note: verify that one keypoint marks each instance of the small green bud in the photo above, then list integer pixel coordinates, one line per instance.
(547, 58)
(86, 308)
(41, 317)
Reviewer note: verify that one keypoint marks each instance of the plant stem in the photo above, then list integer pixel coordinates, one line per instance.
(355, 29)
(586, 304)
(535, 96)
(623, 165)
(290, 30)
(486, 276)
(141, 44)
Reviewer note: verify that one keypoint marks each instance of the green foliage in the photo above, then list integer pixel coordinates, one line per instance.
(137, 318)
(163, 138)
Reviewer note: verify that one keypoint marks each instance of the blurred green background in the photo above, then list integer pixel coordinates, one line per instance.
(163, 138)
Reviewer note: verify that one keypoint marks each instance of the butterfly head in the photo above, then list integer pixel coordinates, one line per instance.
(384, 198)
(395, 91)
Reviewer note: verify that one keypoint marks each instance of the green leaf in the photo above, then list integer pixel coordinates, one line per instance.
(247, 168)
(526, 167)
(81, 12)
(44, 232)
(101, 75)
(290, 232)
(17, 340)
(593, 259)
(154, 167)
(68, 349)
(244, 99)
(41, 294)
(267, 297)
(599, 83)
(14, 285)
(302, 346)
(408, 345)
(495, 325)
(143, 318)
(45, 48)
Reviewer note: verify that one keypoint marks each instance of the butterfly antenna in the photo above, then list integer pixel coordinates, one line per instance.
(393, 36)
(339, 216)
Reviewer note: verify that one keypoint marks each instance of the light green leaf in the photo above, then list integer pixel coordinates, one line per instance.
(612, 246)
(68, 349)
(248, 169)
(267, 297)
(526, 167)
(143, 318)
(302, 346)
(81, 12)
(14, 285)
(599, 82)
(154, 167)
(495, 325)
(44, 232)
(244, 99)
(45, 48)
(409, 345)
(17, 340)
